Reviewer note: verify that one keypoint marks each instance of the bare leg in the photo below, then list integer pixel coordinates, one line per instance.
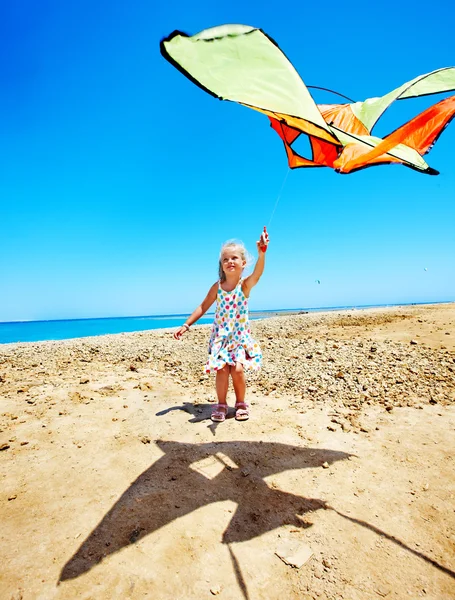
(220, 410)
(238, 380)
(222, 384)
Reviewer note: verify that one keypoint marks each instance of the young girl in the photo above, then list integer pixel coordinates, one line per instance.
(231, 347)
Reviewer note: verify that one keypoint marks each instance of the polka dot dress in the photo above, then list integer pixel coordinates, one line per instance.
(231, 340)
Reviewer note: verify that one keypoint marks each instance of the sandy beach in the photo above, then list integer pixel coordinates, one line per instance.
(116, 484)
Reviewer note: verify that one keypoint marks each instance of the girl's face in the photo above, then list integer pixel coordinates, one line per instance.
(232, 261)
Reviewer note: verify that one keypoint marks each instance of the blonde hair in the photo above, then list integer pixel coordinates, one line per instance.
(244, 255)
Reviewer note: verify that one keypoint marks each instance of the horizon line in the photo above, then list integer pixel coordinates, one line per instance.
(265, 310)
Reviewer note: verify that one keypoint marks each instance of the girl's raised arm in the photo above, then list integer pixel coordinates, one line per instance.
(198, 312)
(252, 279)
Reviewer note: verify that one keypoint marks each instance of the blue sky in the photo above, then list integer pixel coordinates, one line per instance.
(119, 179)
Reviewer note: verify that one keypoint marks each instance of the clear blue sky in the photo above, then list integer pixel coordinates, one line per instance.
(119, 179)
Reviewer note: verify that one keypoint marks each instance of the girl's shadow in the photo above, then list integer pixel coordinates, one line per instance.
(199, 412)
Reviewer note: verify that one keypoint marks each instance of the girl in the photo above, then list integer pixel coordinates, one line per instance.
(231, 347)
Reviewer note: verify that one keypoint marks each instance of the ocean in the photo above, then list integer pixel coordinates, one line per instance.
(39, 331)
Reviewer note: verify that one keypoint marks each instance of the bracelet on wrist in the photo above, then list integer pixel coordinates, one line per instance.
(186, 325)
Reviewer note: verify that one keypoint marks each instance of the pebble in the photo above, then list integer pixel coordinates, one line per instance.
(318, 571)
(215, 590)
(327, 564)
(382, 591)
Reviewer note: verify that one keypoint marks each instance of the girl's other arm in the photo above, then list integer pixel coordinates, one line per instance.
(198, 312)
(252, 279)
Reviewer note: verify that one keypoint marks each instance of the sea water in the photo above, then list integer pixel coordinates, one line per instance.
(36, 331)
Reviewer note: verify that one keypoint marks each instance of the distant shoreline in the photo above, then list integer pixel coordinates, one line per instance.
(265, 311)
(29, 332)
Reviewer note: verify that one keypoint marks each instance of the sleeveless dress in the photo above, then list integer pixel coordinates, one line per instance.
(231, 340)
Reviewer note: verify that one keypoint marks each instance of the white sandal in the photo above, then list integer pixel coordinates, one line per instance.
(242, 411)
(219, 412)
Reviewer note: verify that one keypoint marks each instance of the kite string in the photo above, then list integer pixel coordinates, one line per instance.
(278, 197)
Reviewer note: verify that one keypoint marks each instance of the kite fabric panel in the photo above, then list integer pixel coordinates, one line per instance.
(242, 64)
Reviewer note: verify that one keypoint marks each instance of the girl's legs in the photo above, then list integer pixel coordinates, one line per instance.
(238, 380)
(222, 384)
(220, 410)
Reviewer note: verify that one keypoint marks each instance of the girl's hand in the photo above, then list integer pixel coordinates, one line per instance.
(180, 331)
(263, 242)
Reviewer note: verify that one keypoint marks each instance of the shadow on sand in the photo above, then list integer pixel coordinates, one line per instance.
(173, 487)
(189, 476)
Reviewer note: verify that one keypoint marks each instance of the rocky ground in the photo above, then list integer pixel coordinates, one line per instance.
(116, 484)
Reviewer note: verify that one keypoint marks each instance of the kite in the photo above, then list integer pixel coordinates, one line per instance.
(242, 64)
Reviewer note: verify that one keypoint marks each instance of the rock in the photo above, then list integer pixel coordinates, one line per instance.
(318, 571)
(215, 590)
(325, 465)
(145, 386)
(84, 380)
(4, 447)
(413, 342)
(145, 439)
(294, 555)
(327, 564)
(382, 591)
(12, 497)
(135, 534)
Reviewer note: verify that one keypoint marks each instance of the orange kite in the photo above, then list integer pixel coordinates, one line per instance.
(242, 64)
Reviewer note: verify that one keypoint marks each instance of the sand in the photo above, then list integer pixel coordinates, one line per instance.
(115, 483)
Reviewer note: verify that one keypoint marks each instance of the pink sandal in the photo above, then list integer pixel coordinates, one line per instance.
(242, 411)
(219, 412)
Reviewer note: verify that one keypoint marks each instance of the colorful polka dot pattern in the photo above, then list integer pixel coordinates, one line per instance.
(231, 340)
